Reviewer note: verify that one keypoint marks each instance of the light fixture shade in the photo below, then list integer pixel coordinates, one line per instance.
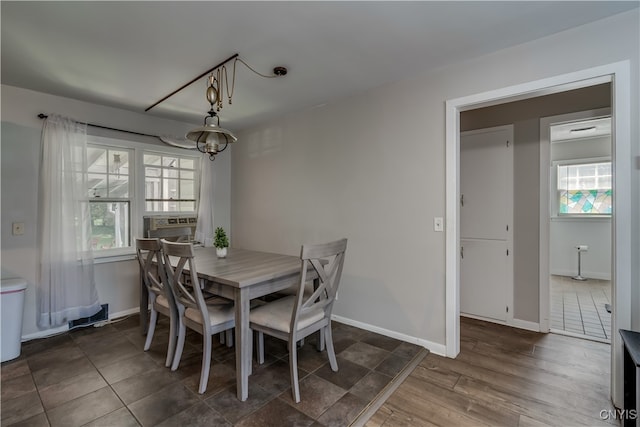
(211, 133)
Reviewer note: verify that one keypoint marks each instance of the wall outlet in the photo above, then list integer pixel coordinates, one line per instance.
(18, 228)
(438, 224)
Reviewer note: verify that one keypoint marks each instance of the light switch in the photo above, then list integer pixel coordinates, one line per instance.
(18, 228)
(438, 224)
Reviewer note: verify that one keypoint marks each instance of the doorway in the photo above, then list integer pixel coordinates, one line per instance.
(619, 73)
(576, 148)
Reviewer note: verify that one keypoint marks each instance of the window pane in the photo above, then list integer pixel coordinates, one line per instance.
(109, 225)
(171, 173)
(585, 189)
(187, 164)
(119, 162)
(186, 174)
(97, 185)
(187, 206)
(186, 189)
(152, 172)
(118, 187)
(152, 188)
(152, 159)
(170, 162)
(96, 160)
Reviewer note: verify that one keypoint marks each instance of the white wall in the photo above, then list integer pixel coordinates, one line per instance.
(371, 168)
(117, 282)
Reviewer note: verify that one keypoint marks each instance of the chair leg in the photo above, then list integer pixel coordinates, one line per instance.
(206, 363)
(330, 351)
(151, 330)
(321, 338)
(293, 367)
(182, 331)
(221, 337)
(229, 333)
(260, 345)
(173, 337)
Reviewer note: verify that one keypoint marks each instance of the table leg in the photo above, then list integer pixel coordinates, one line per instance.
(243, 343)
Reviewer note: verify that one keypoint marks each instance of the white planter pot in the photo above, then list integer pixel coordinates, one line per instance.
(221, 252)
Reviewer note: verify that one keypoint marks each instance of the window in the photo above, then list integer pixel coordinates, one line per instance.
(170, 184)
(127, 180)
(584, 189)
(109, 189)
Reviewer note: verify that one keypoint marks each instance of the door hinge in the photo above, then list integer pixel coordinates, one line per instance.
(507, 142)
(462, 252)
(507, 252)
(462, 200)
(507, 309)
(507, 227)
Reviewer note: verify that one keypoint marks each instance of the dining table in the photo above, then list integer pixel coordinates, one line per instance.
(241, 276)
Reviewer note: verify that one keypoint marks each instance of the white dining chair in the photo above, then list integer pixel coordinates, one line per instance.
(193, 310)
(295, 317)
(160, 296)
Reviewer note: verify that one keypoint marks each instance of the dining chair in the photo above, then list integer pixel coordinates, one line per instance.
(193, 310)
(295, 317)
(160, 297)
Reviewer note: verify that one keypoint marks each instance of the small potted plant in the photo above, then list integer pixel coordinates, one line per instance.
(221, 242)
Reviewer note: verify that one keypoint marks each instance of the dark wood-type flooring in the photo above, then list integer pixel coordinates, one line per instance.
(505, 377)
(102, 377)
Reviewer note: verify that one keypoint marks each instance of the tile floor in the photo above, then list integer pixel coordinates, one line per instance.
(101, 377)
(579, 307)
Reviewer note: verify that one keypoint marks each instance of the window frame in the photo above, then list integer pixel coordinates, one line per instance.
(137, 206)
(555, 202)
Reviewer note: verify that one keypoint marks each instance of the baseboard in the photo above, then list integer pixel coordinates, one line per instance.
(525, 324)
(434, 348)
(62, 329)
(587, 274)
(515, 323)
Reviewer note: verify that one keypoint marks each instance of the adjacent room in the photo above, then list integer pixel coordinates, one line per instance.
(391, 213)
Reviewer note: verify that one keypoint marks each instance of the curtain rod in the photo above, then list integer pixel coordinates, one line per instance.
(44, 116)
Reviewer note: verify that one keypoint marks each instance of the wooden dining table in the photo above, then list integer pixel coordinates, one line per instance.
(242, 276)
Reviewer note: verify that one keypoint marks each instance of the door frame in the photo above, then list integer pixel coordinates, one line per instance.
(545, 220)
(618, 74)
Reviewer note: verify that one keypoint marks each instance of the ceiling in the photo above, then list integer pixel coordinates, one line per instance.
(131, 54)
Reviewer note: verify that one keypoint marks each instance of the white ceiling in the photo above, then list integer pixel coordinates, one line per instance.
(131, 54)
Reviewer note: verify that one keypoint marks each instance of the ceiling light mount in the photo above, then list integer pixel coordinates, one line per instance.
(211, 138)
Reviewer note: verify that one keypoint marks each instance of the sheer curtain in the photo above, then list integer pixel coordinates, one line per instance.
(204, 226)
(66, 288)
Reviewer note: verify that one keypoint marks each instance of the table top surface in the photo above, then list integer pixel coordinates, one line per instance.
(243, 267)
(632, 343)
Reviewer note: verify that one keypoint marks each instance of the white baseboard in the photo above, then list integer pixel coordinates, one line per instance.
(514, 323)
(65, 328)
(587, 274)
(525, 324)
(434, 348)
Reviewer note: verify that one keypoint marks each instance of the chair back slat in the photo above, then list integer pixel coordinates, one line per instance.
(152, 273)
(326, 260)
(187, 294)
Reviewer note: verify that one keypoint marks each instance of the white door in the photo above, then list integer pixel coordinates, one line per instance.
(486, 223)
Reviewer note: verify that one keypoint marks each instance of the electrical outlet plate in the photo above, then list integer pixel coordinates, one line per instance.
(18, 228)
(438, 224)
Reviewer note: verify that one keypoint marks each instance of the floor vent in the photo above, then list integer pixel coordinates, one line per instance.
(100, 316)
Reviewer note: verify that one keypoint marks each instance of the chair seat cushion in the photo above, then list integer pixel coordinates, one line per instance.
(162, 300)
(217, 314)
(277, 315)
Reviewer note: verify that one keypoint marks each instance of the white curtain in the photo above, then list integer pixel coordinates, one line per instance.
(66, 284)
(204, 226)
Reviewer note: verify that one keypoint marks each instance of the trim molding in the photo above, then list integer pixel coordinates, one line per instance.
(433, 347)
